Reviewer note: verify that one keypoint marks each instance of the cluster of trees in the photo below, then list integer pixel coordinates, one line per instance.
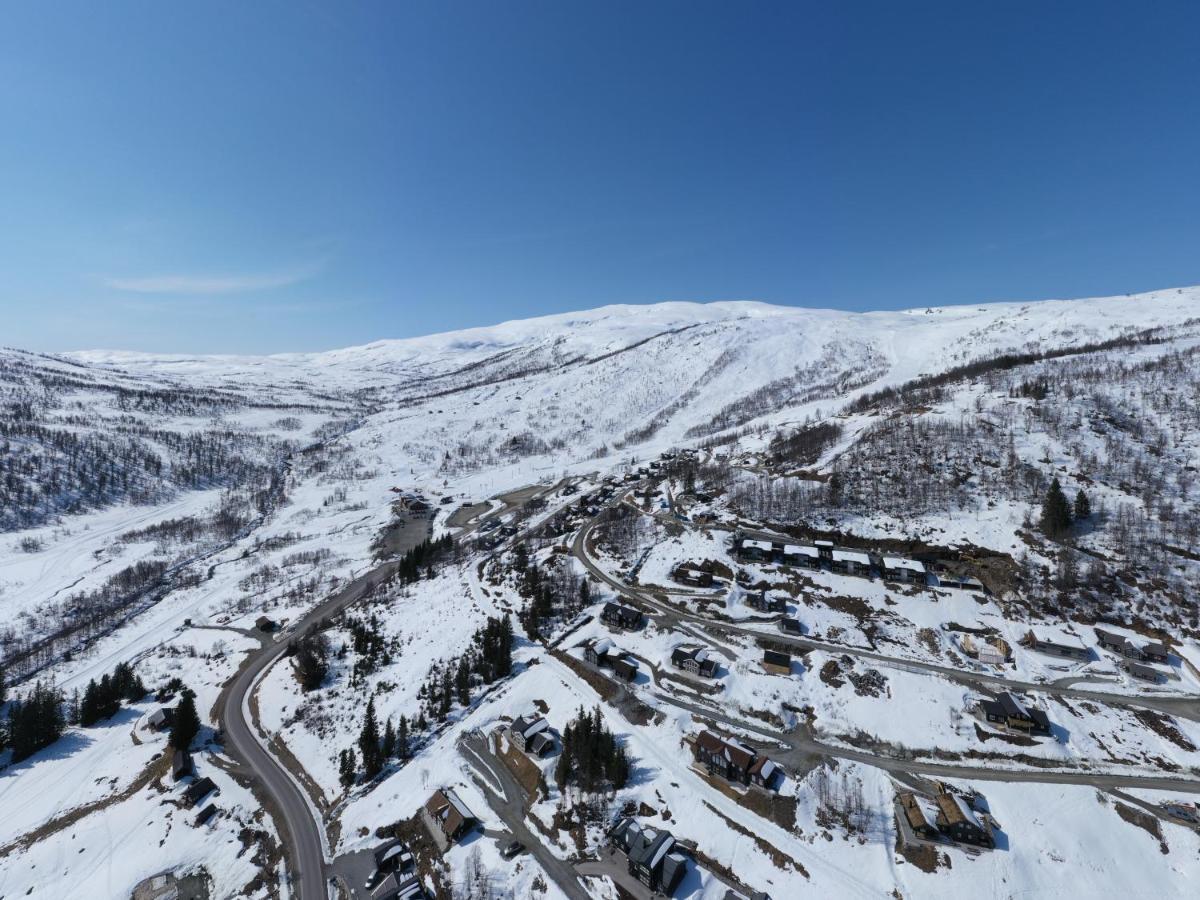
(553, 593)
(374, 748)
(592, 759)
(422, 558)
(487, 659)
(311, 660)
(1057, 513)
(35, 720)
(372, 647)
(101, 699)
(803, 446)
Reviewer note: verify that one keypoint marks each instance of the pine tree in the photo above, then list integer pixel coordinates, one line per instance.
(347, 768)
(89, 706)
(1056, 511)
(402, 738)
(185, 725)
(368, 742)
(462, 682)
(1083, 506)
(389, 740)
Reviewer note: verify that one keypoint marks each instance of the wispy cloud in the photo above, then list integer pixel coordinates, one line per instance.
(194, 284)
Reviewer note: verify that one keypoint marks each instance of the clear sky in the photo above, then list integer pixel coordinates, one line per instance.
(260, 177)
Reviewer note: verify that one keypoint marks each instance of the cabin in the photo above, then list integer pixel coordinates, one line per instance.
(205, 815)
(734, 761)
(597, 652)
(652, 855)
(625, 668)
(1156, 652)
(801, 555)
(262, 623)
(759, 551)
(615, 615)
(161, 719)
(198, 790)
(1054, 648)
(897, 568)
(1117, 644)
(850, 562)
(911, 809)
(695, 660)
(777, 662)
(695, 576)
(768, 603)
(959, 821)
(530, 734)
(181, 765)
(450, 814)
(790, 626)
(1009, 711)
(1143, 672)
(393, 856)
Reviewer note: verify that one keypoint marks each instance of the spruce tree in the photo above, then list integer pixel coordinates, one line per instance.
(185, 725)
(89, 706)
(368, 742)
(347, 766)
(1056, 511)
(389, 740)
(1083, 506)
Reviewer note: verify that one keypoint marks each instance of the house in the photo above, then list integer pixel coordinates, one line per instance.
(450, 814)
(790, 626)
(262, 623)
(687, 573)
(615, 615)
(850, 562)
(651, 853)
(1117, 644)
(911, 809)
(203, 817)
(1143, 672)
(734, 761)
(1156, 652)
(597, 652)
(773, 602)
(695, 660)
(525, 732)
(801, 555)
(181, 765)
(393, 856)
(198, 790)
(959, 821)
(161, 718)
(625, 668)
(897, 568)
(1010, 712)
(777, 662)
(754, 550)
(1070, 651)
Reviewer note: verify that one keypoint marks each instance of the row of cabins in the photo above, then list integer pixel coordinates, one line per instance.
(653, 856)
(603, 653)
(1134, 658)
(1008, 711)
(532, 735)
(1151, 652)
(735, 762)
(1055, 648)
(952, 817)
(840, 560)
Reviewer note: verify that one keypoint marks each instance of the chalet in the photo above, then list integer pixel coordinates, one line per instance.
(733, 761)
(262, 623)
(897, 568)
(911, 809)
(161, 718)
(777, 662)
(1070, 651)
(652, 855)
(768, 603)
(450, 814)
(695, 660)
(693, 575)
(755, 550)
(625, 668)
(531, 735)
(205, 815)
(625, 617)
(959, 821)
(181, 765)
(598, 652)
(1010, 712)
(1143, 672)
(791, 626)
(801, 555)
(198, 790)
(1117, 644)
(850, 562)
(1156, 652)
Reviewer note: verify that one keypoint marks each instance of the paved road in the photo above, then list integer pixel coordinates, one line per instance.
(1185, 708)
(511, 809)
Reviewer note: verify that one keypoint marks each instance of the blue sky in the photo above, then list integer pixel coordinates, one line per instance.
(261, 177)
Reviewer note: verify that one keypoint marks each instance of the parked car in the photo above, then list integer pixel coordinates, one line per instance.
(512, 848)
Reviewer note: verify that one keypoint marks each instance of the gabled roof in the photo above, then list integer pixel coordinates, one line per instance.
(899, 562)
(1012, 706)
(853, 556)
(758, 545)
(446, 807)
(956, 810)
(801, 550)
(776, 658)
(529, 725)
(737, 754)
(1108, 637)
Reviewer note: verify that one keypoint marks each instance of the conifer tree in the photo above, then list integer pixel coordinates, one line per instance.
(1083, 506)
(368, 742)
(389, 740)
(185, 724)
(347, 768)
(402, 738)
(1056, 511)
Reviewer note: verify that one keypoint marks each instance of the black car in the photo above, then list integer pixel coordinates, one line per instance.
(512, 848)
